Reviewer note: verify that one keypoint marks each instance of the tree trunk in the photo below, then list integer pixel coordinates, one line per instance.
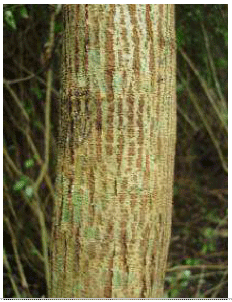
(112, 217)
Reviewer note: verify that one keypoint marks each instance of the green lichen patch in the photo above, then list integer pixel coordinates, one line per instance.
(117, 278)
(77, 202)
(91, 233)
(78, 287)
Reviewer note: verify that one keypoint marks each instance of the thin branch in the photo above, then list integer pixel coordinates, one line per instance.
(48, 104)
(9, 199)
(10, 162)
(34, 151)
(40, 162)
(218, 87)
(9, 274)
(17, 258)
(193, 98)
(194, 267)
(200, 283)
(47, 141)
(205, 88)
(16, 99)
(56, 93)
(185, 116)
(34, 248)
(220, 285)
(10, 82)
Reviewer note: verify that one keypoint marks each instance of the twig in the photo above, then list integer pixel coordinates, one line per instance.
(11, 163)
(17, 258)
(205, 88)
(223, 100)
(219, 286)
(34, 151)
(194, 267)
(33, 247)
(56, 93)
(6, 190)
(17, 101)
(191, 123)
(44, 239)
(47, 141)
(9, 274)
(200, 283)
(206, 124)
(39, 160)
(48, 104)
(10, 82)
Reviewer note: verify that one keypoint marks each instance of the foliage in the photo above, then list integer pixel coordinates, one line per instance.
(198, 252)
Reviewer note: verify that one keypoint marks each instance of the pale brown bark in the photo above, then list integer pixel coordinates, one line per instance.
(112, 217)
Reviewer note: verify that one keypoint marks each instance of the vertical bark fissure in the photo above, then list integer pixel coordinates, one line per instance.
(112, 215)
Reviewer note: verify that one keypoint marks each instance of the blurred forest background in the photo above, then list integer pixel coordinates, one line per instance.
(198, 258)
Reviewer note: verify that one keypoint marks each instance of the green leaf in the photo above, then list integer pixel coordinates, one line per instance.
(213, 217)
(36, 157)
(19, 185)
(29, 191)
(9, 18)
(29, 163)
(192, 261)
(34, 251)
(184, 283)
(24, 12)
(209, 233)
(37, 92)
(186, 274)
(204, 249)
(212, 247)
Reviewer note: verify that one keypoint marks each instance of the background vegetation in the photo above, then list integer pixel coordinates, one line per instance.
(198, 266)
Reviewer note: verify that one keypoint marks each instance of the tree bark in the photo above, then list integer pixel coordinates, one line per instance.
(112, 216)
